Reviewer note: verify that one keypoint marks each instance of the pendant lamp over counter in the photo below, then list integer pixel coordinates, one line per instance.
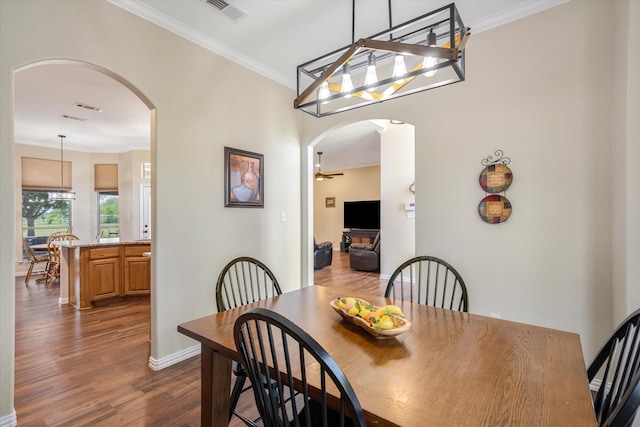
(62, 194)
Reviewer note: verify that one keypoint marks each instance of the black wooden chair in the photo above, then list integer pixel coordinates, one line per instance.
(617, 370)
(428, 280)
(242, 281)
(273, 347)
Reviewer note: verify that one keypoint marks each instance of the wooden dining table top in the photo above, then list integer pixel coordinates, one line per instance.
(449, 369)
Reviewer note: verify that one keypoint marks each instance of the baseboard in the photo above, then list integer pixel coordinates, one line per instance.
(63, 300)
(172, 359)
(10, 420)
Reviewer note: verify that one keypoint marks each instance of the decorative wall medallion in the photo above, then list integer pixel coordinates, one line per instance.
(495, 178)
(494, 209)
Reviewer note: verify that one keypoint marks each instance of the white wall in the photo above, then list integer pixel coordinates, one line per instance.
(397, 242)
(200, 103)
(534, 90)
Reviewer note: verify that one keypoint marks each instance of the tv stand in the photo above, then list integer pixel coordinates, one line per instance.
(356, 236)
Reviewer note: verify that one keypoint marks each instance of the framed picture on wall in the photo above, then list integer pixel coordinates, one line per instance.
(329, 202)
(243, 179)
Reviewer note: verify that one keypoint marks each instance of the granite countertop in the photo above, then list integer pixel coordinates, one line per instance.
(111, 241)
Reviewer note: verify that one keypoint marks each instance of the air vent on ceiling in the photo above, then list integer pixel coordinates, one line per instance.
(66, 116)
(88, 107)
(227, 10)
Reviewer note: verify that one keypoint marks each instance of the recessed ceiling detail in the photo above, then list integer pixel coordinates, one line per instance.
(88, 107)
(227, 10)
(79, 119)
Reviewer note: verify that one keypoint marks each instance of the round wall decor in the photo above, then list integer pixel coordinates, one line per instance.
(496, 178)
(494, 209)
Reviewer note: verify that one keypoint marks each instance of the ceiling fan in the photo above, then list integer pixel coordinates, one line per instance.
(321, 176)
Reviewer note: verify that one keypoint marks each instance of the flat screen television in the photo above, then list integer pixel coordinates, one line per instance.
(363, 215)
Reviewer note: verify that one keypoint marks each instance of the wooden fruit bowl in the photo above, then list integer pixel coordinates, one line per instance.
(400, 324)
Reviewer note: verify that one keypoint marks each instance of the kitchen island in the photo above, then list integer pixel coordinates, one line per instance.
(102, 270)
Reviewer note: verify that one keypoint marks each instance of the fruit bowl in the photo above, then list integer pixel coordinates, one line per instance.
(400, 324)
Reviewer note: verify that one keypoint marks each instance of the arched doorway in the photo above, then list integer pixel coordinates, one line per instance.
(395, 142)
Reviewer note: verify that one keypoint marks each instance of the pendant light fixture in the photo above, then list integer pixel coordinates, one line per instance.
(385, 65)
(62, 194)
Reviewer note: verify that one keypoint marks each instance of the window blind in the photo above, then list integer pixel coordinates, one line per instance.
(44, 174)
(105, 177)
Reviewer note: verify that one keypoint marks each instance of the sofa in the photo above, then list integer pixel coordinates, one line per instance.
(365, 256)
(322, 254)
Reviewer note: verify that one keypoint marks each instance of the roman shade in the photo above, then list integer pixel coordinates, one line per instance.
(44, 174)
(105, 177)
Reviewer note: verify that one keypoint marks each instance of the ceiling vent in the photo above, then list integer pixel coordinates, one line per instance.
(88, 107)
(227, 10)
(79, 119)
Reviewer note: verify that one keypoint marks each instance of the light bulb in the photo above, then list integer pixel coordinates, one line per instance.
(347, 84)
(399, 69)
(323, 92)
(372, 77)
(430, 61)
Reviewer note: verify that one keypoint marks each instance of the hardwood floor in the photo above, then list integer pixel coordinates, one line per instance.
(89, 368)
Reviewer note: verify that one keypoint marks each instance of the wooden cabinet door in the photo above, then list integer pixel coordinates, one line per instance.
(104, 277)
(137, 270)
(137, 276)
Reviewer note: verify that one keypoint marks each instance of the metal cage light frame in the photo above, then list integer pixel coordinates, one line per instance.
(432, 45)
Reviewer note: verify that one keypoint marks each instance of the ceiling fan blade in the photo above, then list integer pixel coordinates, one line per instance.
(333, 174)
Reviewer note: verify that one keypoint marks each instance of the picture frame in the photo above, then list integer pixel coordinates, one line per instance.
(243, 179)
(329, 202)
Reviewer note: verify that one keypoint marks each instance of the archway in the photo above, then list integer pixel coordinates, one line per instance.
(396, 162)
(88, 80)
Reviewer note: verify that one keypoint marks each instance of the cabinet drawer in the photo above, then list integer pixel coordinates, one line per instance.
(136, 250)
(102, 253)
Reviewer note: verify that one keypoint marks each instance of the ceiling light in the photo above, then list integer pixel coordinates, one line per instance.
(374, 64)
(347, 84)
(62, 194)
(430, 61)
(399, 68)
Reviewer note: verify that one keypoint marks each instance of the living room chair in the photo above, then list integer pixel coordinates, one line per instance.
(34, 259)
(242, 281)
(365, 256)
(428, 280)
(53, 269)
(617, 370)
(322, 254)
(273, 347)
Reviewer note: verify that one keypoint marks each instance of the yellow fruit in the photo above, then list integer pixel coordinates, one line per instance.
(364, 312)
(349, 299)
(395, 310)
(340, 303)
(353, 311)
(385, 322)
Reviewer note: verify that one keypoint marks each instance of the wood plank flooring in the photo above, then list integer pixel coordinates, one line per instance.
(89, 368)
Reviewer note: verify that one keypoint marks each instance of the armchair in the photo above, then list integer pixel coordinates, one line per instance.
(322, 254)
(365, 256)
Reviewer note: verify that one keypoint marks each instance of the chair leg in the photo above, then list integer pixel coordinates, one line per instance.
(26, 280)
(235, 394)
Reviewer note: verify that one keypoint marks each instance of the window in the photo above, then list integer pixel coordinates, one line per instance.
(108, 214)
(41, 217)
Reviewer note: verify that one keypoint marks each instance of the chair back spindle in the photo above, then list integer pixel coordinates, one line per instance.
(617, 367)
(245, 280)
(273, 347)
(428, 280)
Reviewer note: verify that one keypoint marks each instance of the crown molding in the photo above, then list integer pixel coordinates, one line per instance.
(168, 23)
(513, 13)
(146, 12)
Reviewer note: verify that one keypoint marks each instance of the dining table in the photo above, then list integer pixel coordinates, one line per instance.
(449, 368)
